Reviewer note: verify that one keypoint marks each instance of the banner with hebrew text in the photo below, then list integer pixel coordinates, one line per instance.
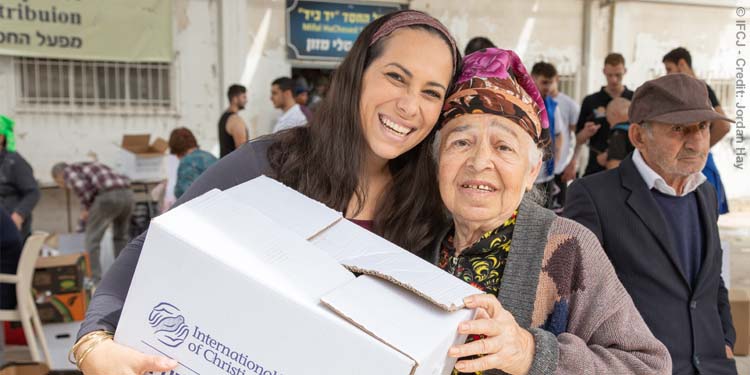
(114, 30)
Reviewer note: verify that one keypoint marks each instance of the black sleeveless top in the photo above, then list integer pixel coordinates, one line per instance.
(226, 142)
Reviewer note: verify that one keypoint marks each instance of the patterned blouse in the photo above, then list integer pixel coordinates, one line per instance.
(481, 264)
(190, 168)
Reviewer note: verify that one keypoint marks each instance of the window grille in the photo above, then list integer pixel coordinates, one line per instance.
(60, 85)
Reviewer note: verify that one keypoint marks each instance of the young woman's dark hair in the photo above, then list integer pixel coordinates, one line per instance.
(325, 159)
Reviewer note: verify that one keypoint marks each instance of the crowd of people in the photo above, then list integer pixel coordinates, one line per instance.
(473, 163)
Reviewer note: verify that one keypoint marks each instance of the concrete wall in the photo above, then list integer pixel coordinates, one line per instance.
(262, 61)
(645, 32)
(550, 30)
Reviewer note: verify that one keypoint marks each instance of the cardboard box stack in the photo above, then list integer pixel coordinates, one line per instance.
(59, 283)
(257, 279)
(141, 160)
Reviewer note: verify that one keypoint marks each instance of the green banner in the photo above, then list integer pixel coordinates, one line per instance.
(116, 30)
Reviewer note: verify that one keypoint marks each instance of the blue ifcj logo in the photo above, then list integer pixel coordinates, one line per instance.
(168, 324)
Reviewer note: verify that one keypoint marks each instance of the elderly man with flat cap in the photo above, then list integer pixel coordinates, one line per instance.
(657, 220)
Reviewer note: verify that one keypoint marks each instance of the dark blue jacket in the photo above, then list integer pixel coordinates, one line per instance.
(10, 252)
(694, 322)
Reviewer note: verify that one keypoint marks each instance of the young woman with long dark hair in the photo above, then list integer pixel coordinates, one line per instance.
(366, 153)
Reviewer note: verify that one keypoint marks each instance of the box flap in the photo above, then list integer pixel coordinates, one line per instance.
(160, 146)
(58, 261)
(413, 326)
(240, 318)
(365, 252)
(147, 154)
(354, 247)
(286, 206)
(244, 239)
(136, 142)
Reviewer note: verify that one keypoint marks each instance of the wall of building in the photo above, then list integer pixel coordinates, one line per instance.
(46, 138)
(549, 30)
(217, 43)
(643, 35)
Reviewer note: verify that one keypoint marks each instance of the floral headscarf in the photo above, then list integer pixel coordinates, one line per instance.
(494, 81)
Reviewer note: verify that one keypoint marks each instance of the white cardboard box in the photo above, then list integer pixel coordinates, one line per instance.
(140, 160)
(60, 338)
(254, 280)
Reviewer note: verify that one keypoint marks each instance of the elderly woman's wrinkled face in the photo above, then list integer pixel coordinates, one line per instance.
(486, 163)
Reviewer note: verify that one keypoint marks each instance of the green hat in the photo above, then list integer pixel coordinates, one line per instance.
(6, 129)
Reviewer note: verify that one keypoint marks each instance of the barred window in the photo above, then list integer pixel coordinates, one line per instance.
(80, 86)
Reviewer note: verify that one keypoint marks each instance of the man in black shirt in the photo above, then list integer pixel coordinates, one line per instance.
(232, 129)
(592, 123)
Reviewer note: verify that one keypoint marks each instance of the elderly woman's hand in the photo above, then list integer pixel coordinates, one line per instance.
(506, 347)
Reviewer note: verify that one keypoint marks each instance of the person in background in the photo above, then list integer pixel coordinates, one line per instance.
(193, 161)
(679, 60)
(302, 96)
(320, 92)
(592, 126)
(476, 44)
(569, 111)
(19, 191)
(545, 78)
(619, 145)
(11, 246)
(282, 97)
(657, 220)
(232, 129)
(105, 198)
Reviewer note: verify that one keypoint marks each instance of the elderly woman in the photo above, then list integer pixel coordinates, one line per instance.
(553, 303)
